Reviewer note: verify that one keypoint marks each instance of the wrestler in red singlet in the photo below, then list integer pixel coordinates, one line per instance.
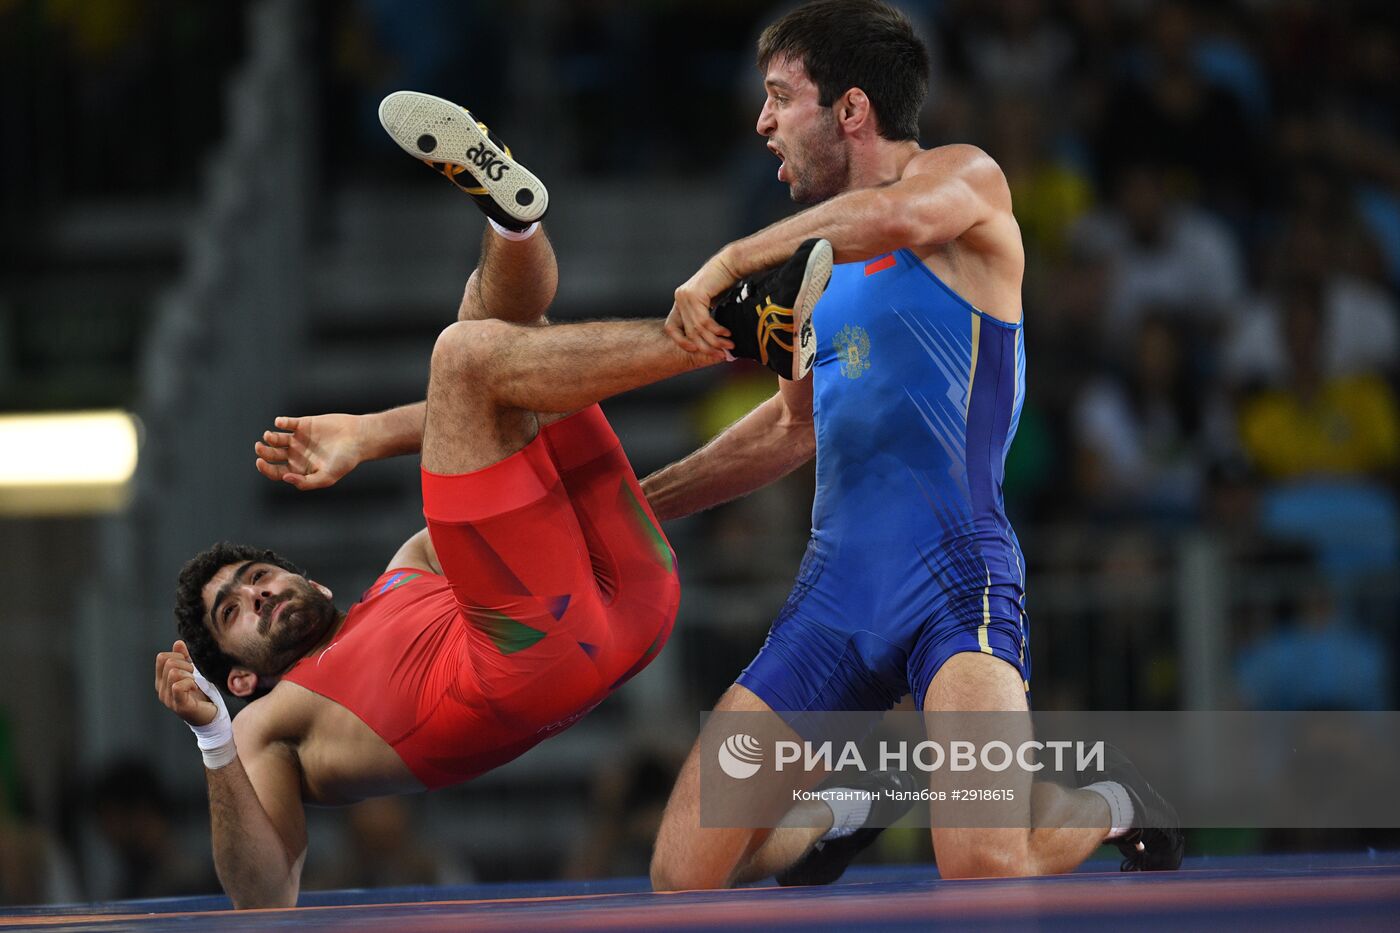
(558, 586)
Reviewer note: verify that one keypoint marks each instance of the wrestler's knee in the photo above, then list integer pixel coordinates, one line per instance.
(687, 857)
(470, 350)
(987, 859)
(672, 872)
(665, 873)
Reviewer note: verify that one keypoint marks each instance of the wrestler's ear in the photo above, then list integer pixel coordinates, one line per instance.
(853, 109)
(325, 590)
(242, 682)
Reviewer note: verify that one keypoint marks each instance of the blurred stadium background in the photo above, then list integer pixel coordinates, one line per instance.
(202, 224)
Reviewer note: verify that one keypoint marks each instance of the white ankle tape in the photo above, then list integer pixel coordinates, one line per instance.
(1120, 807)
(513, 235)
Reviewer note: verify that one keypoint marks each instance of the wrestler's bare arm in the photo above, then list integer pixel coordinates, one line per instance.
(765, 445)
(316, 451)
(255, 808)
(258, 823)
(942, 195)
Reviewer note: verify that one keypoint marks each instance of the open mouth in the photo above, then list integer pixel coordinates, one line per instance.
(782, 168)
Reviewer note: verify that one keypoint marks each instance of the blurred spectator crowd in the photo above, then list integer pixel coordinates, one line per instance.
(1210, 199)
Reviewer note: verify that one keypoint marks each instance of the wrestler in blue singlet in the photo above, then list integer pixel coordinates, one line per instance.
(911, 560)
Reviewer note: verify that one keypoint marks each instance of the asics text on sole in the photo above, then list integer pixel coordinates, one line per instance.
(452, 141)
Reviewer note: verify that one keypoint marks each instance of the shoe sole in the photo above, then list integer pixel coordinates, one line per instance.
(814, 280)
(435, 130)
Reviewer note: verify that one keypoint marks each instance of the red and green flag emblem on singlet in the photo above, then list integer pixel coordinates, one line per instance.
(396, 581)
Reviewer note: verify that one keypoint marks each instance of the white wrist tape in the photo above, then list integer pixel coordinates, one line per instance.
(215, 739)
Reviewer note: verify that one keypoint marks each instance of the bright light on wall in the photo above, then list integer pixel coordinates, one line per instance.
(66, 463)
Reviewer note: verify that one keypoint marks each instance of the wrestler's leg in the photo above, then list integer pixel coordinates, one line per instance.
(514, 280)
(1057, 827)
(488, 379)
(688, 855)
(516, 277)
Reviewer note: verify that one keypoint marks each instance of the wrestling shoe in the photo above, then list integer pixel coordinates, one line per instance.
(827, 860)
(1155, 843)
(448, 138)
(765, 311)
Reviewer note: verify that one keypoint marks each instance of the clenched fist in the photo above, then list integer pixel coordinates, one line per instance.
(179, 691)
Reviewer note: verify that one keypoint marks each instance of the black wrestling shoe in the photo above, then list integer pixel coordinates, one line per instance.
(449, 139)
(765, 311)
(1155, 842)
(827, 860)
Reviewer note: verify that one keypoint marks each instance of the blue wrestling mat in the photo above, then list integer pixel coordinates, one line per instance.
(1290, 892)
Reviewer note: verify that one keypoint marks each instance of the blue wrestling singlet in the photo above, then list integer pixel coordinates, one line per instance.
(911, 559)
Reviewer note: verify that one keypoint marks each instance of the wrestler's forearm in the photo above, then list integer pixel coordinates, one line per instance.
(948, 192)
(251, 858)
(392, 433)
(765, 445)
(858, 224)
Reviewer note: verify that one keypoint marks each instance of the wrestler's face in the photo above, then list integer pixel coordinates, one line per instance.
(803, 134)
(266, 617)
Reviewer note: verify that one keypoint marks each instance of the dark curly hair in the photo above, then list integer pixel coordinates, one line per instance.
(190, 613)
(856, 43)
